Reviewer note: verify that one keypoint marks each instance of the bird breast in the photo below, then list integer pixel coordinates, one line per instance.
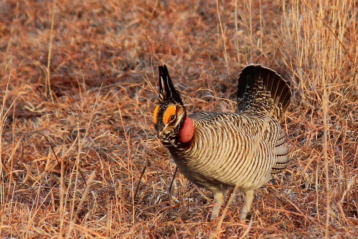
(229, 150)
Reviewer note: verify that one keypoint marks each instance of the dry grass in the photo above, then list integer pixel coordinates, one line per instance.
(78, 82)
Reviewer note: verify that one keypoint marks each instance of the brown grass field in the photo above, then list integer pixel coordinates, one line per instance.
(78, 82)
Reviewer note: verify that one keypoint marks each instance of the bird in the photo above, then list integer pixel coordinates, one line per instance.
(222, 150)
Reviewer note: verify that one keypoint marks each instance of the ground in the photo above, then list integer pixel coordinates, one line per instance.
(78, 83)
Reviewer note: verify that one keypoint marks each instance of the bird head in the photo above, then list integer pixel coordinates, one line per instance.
(169, 116)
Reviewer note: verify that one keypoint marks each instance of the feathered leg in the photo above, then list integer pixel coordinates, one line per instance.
(218, 200)
(248, 196)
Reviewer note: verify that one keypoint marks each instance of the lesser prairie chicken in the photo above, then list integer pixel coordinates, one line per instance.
(217, 150)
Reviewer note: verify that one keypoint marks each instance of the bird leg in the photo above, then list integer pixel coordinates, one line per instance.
(218, 200)
(248, 197)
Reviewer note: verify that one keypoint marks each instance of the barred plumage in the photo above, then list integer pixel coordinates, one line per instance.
(222, 150)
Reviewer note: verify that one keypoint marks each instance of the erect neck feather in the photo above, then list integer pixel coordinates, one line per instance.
(187, 131)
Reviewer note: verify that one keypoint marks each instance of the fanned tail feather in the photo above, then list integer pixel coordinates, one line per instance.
(262, 90)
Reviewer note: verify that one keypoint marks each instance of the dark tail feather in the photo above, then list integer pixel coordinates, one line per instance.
(262, 90)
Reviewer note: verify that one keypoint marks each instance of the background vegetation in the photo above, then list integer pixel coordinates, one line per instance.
(78, 83)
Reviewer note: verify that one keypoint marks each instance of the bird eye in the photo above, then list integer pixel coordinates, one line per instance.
(172, 117)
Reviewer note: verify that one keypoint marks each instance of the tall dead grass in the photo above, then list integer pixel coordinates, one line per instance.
(78, 82)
